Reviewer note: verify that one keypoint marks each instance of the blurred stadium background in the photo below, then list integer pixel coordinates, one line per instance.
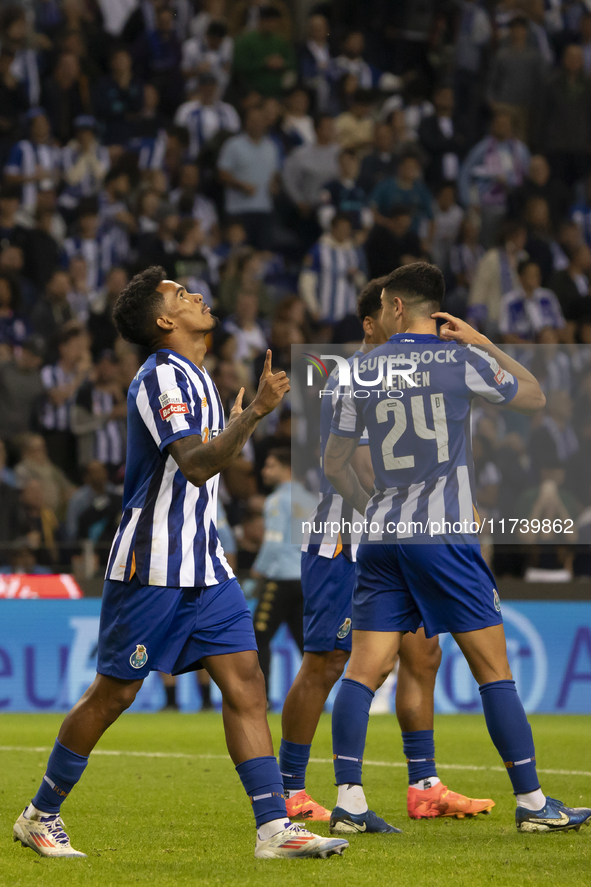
(274, 157)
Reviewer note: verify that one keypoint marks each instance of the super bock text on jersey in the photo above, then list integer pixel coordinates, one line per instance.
(168, 535)
(413, 395)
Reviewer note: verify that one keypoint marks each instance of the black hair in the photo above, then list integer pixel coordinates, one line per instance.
(13, 286)
(137, 305)
(88, 206)
(181, 133)
(269, 12)
(68, 334)
(507, 229)
(114, 173)
(400, 210)
(216, 29)
(369, 301)
(419, 284)
(10, 191)
(282, 454)
(340, 217)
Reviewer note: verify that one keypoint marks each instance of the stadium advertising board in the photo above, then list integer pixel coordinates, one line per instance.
(48, 658)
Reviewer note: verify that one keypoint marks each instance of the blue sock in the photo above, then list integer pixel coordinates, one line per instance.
(262, 783)
(511, 734)
(419, 748)
(64, 769)
(293, 760)
(350, 715)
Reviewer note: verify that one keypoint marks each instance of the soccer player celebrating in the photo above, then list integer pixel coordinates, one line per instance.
(171, 602)
(420, 453)
(328, 578)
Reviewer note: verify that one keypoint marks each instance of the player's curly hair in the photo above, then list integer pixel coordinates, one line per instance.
(369, 301)
(137, 307)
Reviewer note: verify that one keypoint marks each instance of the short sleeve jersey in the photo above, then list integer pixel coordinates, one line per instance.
(168, 534)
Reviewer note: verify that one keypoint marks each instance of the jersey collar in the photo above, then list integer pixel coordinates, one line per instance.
(413, 337)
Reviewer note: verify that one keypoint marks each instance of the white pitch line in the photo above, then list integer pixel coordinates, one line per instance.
(184, 755)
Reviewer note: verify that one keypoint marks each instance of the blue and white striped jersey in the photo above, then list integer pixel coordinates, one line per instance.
(23, 160)
(168, 534)
(337, 268)
(332, 511)
(420, 441)
(205, 121)
(56, 417)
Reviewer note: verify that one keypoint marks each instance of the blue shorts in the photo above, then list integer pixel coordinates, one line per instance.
(446, 587)
(327, 584)
(151, 628)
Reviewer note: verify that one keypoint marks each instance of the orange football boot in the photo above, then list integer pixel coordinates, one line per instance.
(302, 807)
(440, 801)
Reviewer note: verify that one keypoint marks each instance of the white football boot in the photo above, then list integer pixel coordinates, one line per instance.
(44, 833)
(298, 843)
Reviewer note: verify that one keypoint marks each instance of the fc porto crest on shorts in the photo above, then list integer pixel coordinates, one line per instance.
(497, 600)
(344, 629)
(139, 658)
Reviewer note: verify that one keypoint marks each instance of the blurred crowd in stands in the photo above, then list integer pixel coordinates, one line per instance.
(275, 165)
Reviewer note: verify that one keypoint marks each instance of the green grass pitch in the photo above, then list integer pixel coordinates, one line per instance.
(181, 817)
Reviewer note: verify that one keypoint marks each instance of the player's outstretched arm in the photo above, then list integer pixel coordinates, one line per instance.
(199, 461)
(339, 471)
(529, 398)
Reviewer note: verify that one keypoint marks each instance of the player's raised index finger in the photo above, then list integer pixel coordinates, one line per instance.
(239, 396)
(267, 366)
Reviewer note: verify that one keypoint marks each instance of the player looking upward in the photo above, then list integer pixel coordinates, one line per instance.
(328, 578)
(420, 452)
(171, 602)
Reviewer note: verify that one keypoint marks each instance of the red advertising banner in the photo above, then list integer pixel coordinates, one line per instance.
(24, 586)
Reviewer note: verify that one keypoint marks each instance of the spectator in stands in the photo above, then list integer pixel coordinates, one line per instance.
(247, 331)
(442, 140)
(248, 167)
(38, 523)
(96, 483)
(189, 201)
(344, 195)
(382, 162)
(9, 512)
(16, 36)
(473, 34)
(7, 475)
(100, 322)
(244, 275)
(447, 221)
(554, 442)
(11, 230)
(571, 286)
(306, 171)
(61, 382)
(495, 275)
(407, 189)
(206, 115)
(35, 465)
(530, 308)
(355, 126)
(245, 16)
(85, 163)
(540, 245)
(65, 96)
(548, 500)
(464, 258)
(208, 53)
(13, 102)
(13, 328)
(262, 57)
(566, 130)
(494, 166)
(100, 249)
(539, 183)
(333, 273)
(517, 72)
(42, 252)
(157, 54)
(118, 98)
(297, 123)
(34, 162)
(98, 416)
(21, 389)
(391, 243)
(52, 311)
(316, 67)
(99, 520)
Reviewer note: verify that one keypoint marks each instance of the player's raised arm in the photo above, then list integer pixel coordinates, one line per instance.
(199, 461)
(529, 397)
(340, 473)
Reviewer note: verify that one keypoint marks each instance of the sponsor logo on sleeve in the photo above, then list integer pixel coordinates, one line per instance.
(172, 404)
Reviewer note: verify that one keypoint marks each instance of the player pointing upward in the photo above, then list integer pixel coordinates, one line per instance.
(420, 449)
(171, 602)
